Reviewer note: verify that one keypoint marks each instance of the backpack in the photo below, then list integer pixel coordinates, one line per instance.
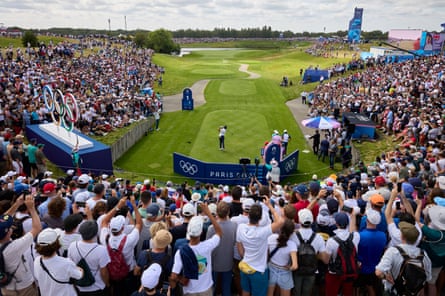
(345, 263)
(163, 262)
(412, 275)
(5, 277)
(88, 278)
(17, 226)
(118, 267)
(307, 257)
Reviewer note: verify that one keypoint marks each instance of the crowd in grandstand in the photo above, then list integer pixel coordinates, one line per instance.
(113, 87)
(345, 234)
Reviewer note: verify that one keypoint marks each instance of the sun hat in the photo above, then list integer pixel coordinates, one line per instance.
(162, 239)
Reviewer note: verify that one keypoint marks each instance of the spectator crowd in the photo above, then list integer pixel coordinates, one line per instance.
(113, 86)
(352, 234)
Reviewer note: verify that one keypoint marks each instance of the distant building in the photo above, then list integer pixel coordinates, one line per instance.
(8, 32)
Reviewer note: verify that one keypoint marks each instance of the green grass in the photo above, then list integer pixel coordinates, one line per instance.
(254, 44)
(252, 109)
(17, 42)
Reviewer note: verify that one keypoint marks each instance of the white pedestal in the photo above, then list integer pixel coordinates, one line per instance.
(68, 138)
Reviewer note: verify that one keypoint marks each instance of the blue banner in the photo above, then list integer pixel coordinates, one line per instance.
(289, 164)
(226, 173)
(355, 26)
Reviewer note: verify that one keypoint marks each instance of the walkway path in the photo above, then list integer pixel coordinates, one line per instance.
(174, 102)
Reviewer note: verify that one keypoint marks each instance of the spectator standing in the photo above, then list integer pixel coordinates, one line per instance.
(157, 117)
(52, 271)
(433, 242)
(222, 268)
(236, 205)
(324, 148)
(112, 234)
(195, 258)
(285, 138)
(301, 197)
(242, 218)
(336, 282)
(95, 255)
(282, 259)
(388, 268)
(32, 148)
(40, 159)
(315, 142)
(251, 241)
(180, 231)
(49, 190)
(18, 252)
(99, 192)
(370, 250)
(332, 153)
(303, 279)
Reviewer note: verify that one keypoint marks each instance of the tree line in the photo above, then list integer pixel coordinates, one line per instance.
(260, 32)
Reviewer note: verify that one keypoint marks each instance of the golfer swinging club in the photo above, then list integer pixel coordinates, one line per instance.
(222, 133)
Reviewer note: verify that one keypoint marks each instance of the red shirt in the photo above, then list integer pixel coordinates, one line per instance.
(302, 204)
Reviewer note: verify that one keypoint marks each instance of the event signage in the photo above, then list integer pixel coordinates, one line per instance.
(63, 109)
(227, 173)
(187, 99)
(355, 26)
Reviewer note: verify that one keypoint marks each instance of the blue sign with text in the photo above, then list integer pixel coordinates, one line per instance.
(226, 173)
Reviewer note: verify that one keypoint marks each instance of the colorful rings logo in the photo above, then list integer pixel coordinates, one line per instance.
(63, 108)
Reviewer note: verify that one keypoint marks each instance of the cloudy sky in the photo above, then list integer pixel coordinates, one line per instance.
(293, 15)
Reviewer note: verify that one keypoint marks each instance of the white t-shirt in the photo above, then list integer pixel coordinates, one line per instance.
(203, 252)
(97, 258)
(306, 233)
(67, 239)
(61, 269)
(343, 234)
(282, 255)
(92, 202)
(240, 219)
(394, 234)
(128, 250)
(254, 241)
(16, 254)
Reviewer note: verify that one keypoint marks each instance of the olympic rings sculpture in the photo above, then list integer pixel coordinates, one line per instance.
(63, 108)
(188, 167)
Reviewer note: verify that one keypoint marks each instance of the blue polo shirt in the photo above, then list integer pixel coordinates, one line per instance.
(370, 249)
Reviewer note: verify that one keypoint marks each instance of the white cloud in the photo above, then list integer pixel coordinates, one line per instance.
(297, 16)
